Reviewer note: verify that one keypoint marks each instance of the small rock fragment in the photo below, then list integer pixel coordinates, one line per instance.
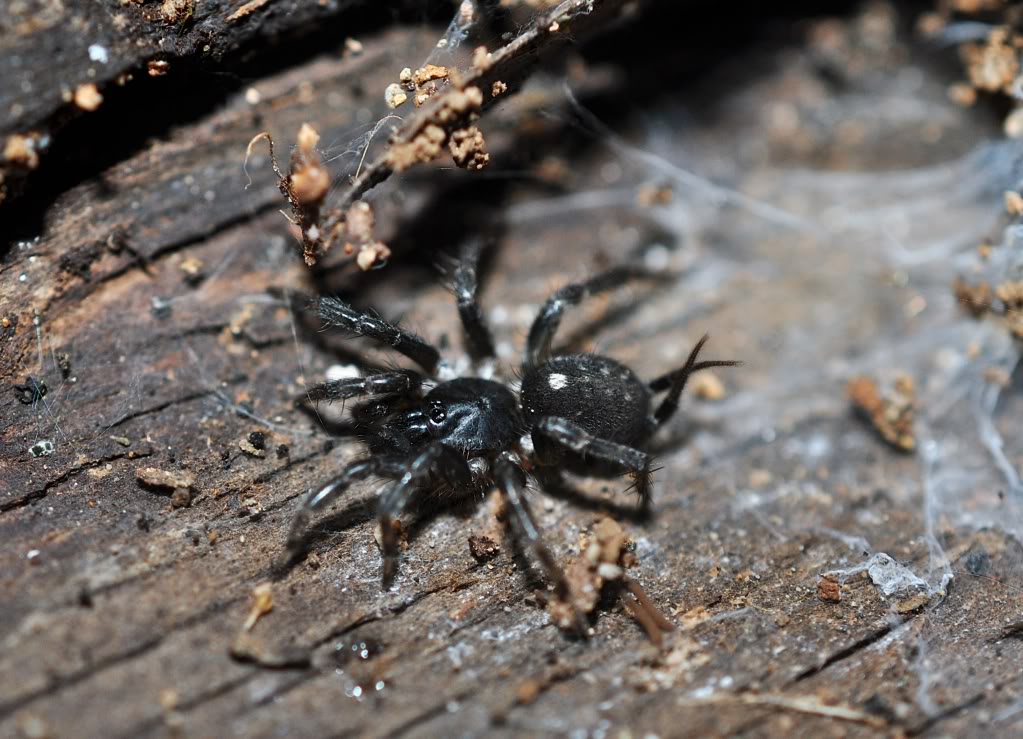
(1013, 203)
(527, 692)
(22, 150)
(157, 478)
(1013, 125)
(481, 59)
(427, 73)
(394, 95)
(192, 268)
(373, 255)
(975, 299)
(181, 498)
(87, 97)
(891, 415)
(309, 178)
(708, 386)
(829, 590)
(483, 548)
(254, 444)
(469, 149)
(912, 603)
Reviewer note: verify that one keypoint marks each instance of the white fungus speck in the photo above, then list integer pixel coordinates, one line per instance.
(342, 372)
(98, 53)
(557, 381)
(656, 258)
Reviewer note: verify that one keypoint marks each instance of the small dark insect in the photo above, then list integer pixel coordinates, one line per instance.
(585, 413)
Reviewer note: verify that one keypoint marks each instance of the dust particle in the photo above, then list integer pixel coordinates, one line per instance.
(1013, 203)
(20, 149)
(527, 692)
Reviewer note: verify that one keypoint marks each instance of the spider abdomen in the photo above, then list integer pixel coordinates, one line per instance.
(601, 395)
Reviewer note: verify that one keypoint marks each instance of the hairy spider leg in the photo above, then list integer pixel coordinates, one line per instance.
(337, 313)
(511, 481)
(674, 382)
(545, 325)
(385, 383)
(479, 340)
(435, 460)
(383, 466)
(572, 436)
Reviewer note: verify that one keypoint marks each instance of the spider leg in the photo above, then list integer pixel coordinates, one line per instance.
(466, 284)
(545, 325)
(388, 466)
(674, 382)
(433, 461)
(339, 314)
(511, 481)
(386, 383)
(572, 436)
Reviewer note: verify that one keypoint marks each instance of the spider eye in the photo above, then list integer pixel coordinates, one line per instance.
(437, 415)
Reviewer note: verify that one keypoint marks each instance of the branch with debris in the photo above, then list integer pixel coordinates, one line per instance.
(448, 103)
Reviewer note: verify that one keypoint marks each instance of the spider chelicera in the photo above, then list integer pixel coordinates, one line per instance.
(585, 413)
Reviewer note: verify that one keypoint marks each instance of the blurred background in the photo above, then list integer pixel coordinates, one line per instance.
(832, 194)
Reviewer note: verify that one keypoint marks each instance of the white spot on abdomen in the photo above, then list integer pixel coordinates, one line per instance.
(557, 381)
(342, 372)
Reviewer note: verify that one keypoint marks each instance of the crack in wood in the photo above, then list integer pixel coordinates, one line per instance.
(61, 683)
(845, 653)
(70, 474)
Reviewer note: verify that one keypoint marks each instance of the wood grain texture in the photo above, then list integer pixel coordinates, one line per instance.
(123, 615)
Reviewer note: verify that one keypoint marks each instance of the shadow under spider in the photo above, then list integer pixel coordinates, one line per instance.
(554, 484)
(424, 511)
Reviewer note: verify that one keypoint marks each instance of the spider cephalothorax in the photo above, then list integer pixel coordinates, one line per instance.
(582, 412)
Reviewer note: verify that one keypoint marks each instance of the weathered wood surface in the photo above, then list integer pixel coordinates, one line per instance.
(120, 611)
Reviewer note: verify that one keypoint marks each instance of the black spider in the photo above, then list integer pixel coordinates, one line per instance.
(582, 412)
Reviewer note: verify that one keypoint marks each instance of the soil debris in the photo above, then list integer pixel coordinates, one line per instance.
(605, 554)
(87, 97)
(975, 299)
(254, 444)
(891, 415)
(169, 479)
(483, 548)
(468, 149)
(829, 590)
(262, 604)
